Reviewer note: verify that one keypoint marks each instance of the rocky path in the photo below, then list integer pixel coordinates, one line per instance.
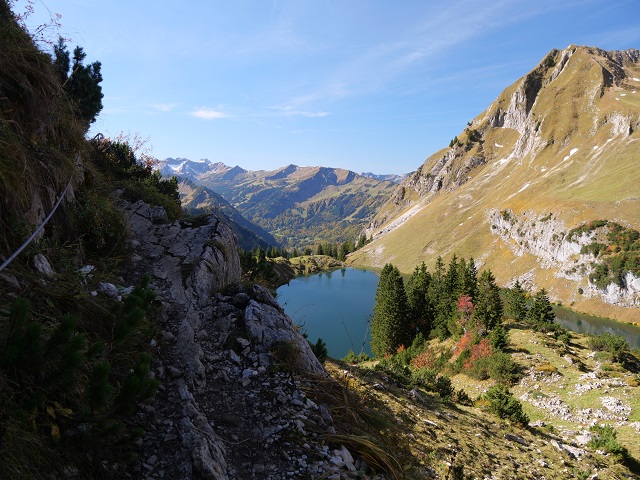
(229, 405)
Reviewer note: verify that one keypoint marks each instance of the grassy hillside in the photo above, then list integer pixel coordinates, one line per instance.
(564, 389)
(563, 140)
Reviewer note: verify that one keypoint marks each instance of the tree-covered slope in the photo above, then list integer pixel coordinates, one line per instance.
(561, 143)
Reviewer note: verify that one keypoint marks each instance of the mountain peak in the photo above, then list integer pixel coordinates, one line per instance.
(562, 139)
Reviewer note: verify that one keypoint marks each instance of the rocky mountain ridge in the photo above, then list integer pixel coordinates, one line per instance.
(562, 140)
(197, 200)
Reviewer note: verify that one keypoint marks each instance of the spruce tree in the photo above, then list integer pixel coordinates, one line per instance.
(489, 309)
(541, 312)
(517, 305)
(470, 278)
(389, 325)
(421, 309)
(451, 280)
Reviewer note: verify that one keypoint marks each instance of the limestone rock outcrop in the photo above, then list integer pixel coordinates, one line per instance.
(546, 238)
(228, 403)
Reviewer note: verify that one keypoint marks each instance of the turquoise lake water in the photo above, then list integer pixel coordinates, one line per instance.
(337, 306)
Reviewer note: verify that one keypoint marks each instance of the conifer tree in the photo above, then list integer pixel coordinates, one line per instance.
(517, 305)
(389, 325)
(420, 307)
(541, 312)
(489, 309)
(451, 278)
(470, 278)
(81, 82)
(361, 241)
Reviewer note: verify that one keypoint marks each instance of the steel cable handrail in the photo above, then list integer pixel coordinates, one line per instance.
(33, 235)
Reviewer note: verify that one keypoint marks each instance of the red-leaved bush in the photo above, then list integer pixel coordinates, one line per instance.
(482, 349)
(463, 343)
(425, 359)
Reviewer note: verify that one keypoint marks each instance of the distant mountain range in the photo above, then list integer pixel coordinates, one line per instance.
(299, 206)
(559, 147)
(197, 199)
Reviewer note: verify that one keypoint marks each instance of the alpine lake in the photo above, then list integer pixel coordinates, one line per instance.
(337, 307)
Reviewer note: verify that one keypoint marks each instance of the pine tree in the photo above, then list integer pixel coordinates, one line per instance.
(541, 311)
(81, 82)
(389, 325)
(470, 278)
(517, 306)
(420, 308)
(489, 309)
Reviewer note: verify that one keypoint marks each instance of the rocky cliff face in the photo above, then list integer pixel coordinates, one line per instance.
(547, 239)
(228, 405)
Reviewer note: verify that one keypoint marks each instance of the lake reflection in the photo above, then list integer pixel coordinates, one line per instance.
(334, 306)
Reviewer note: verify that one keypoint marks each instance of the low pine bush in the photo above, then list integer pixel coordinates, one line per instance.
(502, 403)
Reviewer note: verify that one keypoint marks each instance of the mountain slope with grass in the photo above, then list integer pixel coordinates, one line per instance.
(299, 206)
(556, 150)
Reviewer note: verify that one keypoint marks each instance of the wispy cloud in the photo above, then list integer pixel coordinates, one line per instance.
(206, 113)
(290, 110)
(164, 107)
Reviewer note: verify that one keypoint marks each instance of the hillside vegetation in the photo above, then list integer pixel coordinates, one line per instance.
(74, 349)
(574, 397)
(561, 142)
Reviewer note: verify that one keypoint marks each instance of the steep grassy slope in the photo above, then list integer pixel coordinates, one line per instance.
(563, 140)
(297, 205)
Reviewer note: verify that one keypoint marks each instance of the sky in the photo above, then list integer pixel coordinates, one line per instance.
(368, 85)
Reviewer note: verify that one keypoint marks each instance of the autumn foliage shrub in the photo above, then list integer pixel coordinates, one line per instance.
(426, 359)
(482, 349)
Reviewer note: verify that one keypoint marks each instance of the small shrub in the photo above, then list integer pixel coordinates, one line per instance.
(503, 404)
(605, 439)
(426, 359)
(610, 343)
(499, 339)
(460, 396)
(424, 377)
(502, 368)
(319, 349)
(443, 387)
(286, 355)
(546, 368)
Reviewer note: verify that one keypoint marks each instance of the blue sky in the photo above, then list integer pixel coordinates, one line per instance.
(365, 85)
